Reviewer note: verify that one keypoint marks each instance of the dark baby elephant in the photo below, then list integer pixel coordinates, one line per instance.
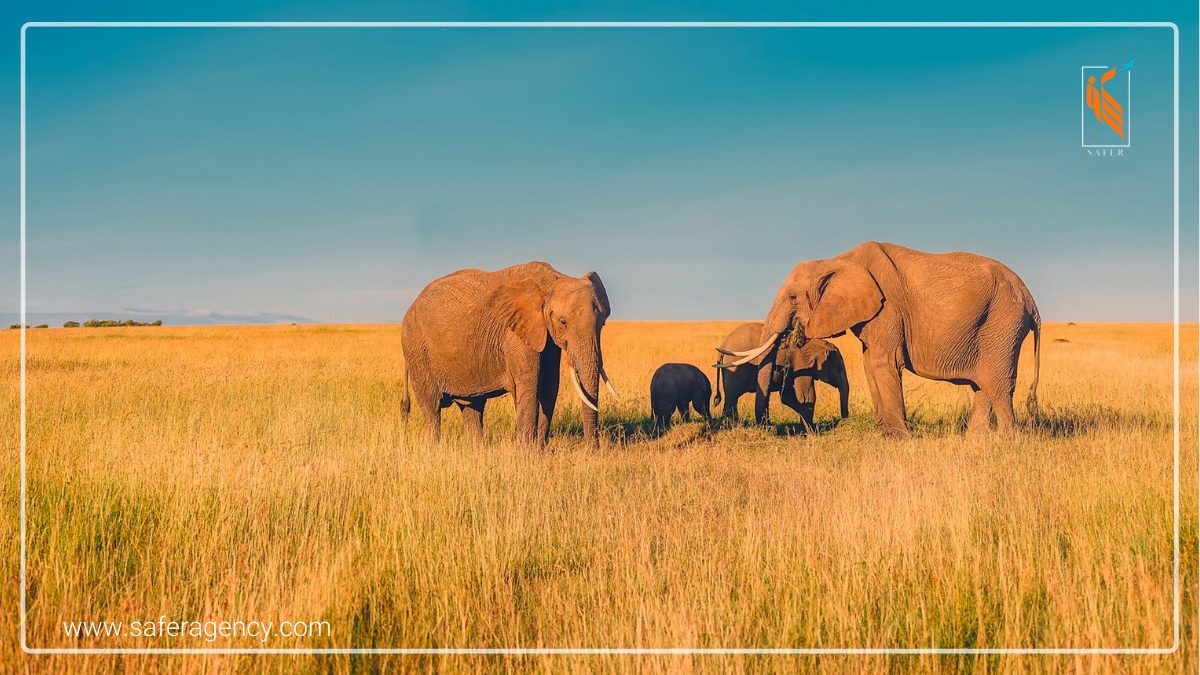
(676, 386)
(796, 369)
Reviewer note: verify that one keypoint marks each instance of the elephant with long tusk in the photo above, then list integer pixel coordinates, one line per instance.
(956, 317)
(474, 335)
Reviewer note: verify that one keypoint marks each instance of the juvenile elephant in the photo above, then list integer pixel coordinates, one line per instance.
(474, 335)
(675, 386)
(956, 317)
(796, 368)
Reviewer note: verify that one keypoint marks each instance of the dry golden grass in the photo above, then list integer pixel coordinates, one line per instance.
(265, 473)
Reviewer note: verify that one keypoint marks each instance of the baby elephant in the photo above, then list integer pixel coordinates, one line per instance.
(675, 386)
(815, 360)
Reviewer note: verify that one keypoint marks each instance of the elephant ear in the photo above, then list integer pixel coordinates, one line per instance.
(594, 279)
(521, 305)
(812, 355)
(844, 296)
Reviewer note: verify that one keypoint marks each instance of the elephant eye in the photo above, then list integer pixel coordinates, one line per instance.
(562, 322)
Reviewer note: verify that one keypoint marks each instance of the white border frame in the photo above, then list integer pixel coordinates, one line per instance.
(1083, 108)
(1173, 649)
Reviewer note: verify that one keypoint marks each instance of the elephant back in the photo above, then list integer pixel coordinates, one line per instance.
(449, 332)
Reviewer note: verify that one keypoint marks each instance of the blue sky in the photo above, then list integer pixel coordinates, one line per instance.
(330, 174)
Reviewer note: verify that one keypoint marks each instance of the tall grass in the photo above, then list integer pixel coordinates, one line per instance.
(265, 473)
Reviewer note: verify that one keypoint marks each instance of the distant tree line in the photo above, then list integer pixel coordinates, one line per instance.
(110, 323)
(96, 323)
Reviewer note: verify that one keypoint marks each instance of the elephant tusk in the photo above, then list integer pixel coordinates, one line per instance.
(612, 390)
(742, 361)
(579, 390)
(752, 352)
(751, 355)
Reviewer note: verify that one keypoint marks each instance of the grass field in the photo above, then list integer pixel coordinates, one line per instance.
(239, 473)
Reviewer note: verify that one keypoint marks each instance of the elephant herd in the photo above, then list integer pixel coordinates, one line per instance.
(474, 335)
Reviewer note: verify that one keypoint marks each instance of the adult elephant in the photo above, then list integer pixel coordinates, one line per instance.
(475, 335)
(956, 317)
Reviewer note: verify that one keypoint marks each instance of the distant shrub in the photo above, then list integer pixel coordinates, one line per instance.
(42, 325)
(70, 324)
(113, 323)
(14, 325)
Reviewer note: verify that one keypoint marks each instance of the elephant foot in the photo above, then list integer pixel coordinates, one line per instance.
(978, 430)
(1006, 431)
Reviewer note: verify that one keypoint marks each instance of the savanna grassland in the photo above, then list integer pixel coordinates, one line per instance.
(238, 473)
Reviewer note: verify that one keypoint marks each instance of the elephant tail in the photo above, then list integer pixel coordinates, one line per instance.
(1031, 404)
(406, 402)
(717, 398)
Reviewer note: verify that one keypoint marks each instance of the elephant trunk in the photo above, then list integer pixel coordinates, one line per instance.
(590, 380)
(779, 319)
(775, 328)
(588, 365)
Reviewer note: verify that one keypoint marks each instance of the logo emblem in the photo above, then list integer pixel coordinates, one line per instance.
(1105, 106)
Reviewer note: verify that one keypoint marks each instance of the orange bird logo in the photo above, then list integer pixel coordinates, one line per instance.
(1103, 105)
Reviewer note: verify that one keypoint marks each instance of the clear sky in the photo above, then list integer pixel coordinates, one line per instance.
(330, 174)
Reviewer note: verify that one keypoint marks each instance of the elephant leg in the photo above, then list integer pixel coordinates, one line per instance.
(993, 395)
(883, 376)
(806, 416)
(800, 394)
(472, 413)
(762, 407)
(789, 399)
(836, 377)
(730, 407)
(525, 371)
(429, 402)
(803, 410)
(547, 396)
(1001, 395)
(526, 403)
(1006, 421)
(883, 349)
(662, 420)
(684, 412)
(981, 413)
(1000, 341)
(787, 394)
(433, 420)
(765, 383)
